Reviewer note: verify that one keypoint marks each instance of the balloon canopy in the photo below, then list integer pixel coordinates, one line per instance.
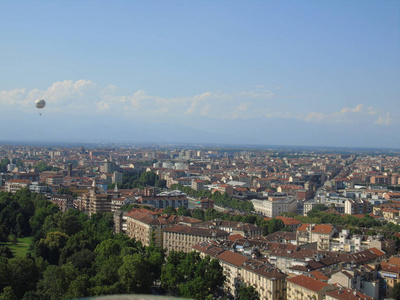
(40, 103)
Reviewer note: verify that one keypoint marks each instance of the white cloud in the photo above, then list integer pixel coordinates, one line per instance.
(68, 90)
(12, 97)
(102, 106)
(315, 117)
(385, 120)
(239, 111)
(85, 97)
(358, 114)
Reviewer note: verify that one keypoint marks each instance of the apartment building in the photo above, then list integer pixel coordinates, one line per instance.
(197, 185)
(183, 238)
(144, 226)
(64, 202)
(346, 242)
(269, 281)
(14, 185)
(302, 287)
(311, 233)
(95, 201)
(231, 263)
(389, 273)
(357, 207)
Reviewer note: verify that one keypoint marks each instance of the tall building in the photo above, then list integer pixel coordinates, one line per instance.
(95, 202)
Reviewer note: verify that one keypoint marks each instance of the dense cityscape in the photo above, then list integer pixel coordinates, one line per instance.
(199, 222)
(229, 150)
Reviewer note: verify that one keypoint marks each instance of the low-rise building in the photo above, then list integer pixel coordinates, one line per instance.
(164, 201)
(244, 229)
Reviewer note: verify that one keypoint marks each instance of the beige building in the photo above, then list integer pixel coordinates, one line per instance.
(54, 180)
(231, 263)
(269, 282)
(198, 185)
(275, 206)
(390, 273)
(303, 287)
(14, 185)
(182, 238)
(145, 227)
(239, 270)
(95, 202)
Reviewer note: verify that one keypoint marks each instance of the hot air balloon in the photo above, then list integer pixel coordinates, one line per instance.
(40, 103)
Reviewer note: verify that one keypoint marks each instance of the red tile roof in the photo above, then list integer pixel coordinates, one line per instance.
(232, 258)
(319, 276)
(308, 283)
(322, 228)
(288, 221)
(235, 237)
(348, 294)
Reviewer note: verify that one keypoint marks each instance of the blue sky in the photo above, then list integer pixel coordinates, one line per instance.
(318, 73)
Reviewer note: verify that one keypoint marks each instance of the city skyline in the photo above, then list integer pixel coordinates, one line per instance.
(257, 72)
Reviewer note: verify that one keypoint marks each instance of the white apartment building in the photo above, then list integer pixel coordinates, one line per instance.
(275, 206)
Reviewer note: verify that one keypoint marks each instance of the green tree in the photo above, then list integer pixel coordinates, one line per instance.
(134, 274)
(56, 281)
(198, 214)
(190, 276)
(8, 294)
(50, 248)
(396, 291)
(24, 274)
(42, 166)
(79, 287)
(6, 252)
(183, 211)
(148, 178)
(82, 260)
(274, 225)
(248, 293)
(161, 183)
(3, 164)
(66, 191)
(5, 279)
(106, 275)
(169, 210)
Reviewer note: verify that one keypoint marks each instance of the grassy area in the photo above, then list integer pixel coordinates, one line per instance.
(21, 248)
